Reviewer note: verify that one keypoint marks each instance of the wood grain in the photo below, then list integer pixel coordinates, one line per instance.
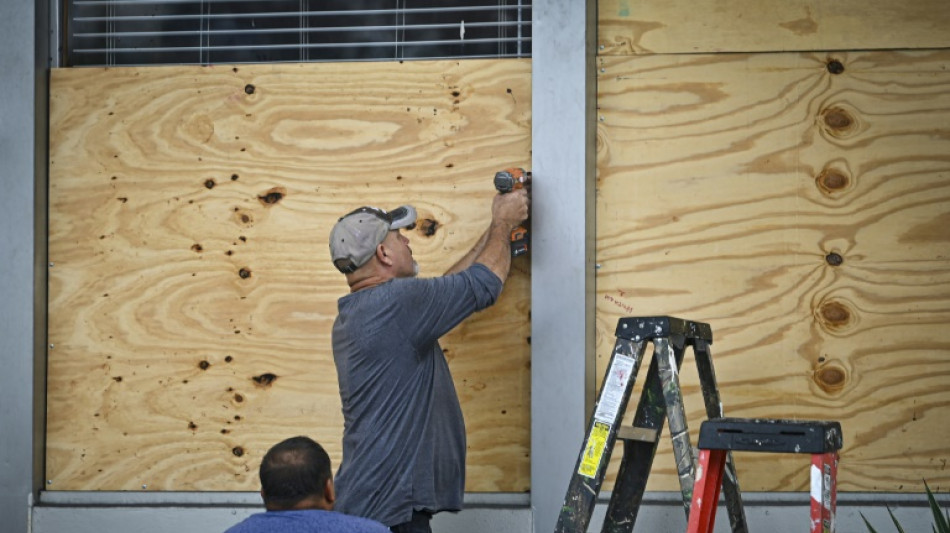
(626, 27)
(806, 216)
(191, 291)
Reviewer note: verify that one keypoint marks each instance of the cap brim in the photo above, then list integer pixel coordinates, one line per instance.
(402, 217)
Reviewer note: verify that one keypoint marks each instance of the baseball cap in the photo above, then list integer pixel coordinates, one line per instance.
(354, 238)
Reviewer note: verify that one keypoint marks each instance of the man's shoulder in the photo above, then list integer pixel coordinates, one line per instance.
(309, 521)
(443, 282)
(345, 523)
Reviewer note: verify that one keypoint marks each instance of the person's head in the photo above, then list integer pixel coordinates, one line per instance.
(366, 243)
(295, 474)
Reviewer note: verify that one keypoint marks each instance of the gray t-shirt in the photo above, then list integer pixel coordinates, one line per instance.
(403, 433)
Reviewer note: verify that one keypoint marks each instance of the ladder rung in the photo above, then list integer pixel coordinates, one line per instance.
(635, 433)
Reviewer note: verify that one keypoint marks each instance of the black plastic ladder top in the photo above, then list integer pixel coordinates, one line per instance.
(649, 328)
(770, 435)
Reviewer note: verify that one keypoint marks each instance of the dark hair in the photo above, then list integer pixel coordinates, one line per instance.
(293, 470)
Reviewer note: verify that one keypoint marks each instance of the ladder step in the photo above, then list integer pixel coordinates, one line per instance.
(770, 435)
(638, 434)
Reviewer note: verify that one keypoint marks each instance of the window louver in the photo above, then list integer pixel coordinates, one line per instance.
(144, 32)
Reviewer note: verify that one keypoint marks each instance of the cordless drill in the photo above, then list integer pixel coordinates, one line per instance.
(506, 181)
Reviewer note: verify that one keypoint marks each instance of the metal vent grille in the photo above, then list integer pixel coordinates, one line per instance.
(151, 32)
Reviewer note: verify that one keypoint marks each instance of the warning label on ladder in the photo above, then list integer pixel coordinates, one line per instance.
(596, 444)
(614, 389)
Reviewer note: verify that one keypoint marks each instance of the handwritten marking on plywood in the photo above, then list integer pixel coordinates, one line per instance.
(804, 212)
(191, 291)
(627, 27)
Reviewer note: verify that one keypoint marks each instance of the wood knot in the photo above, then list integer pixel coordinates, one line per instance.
(242, 217)
(428, 227)
(244, 273)
(237, 451)
(837, 119)
(831, 377)
(835, 67)
(834, 315)
(272, 196)
(839, 122)
(265, 380)
(832, 180)
(834, 259)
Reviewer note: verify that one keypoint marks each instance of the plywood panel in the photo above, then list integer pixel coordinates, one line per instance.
(191, 292)
(806, 216)
(627, 27)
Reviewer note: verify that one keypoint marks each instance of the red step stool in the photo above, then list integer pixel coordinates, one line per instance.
(717, 437)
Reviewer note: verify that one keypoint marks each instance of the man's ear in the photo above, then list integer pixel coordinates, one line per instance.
(329, 493)
(381, 255)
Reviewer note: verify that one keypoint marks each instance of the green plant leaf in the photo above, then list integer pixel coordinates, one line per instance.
(941, 524)
(941, 519)
(868, 524)
(894, 519)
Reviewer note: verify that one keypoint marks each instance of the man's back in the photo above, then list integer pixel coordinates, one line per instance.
(404, 435)
(307, 521)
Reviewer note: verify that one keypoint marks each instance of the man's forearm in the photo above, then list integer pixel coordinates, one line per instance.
(496, 253)
(493, 249)
(469, 257)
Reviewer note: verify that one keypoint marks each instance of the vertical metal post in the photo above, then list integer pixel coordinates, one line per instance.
(563, 379)
(24, 83)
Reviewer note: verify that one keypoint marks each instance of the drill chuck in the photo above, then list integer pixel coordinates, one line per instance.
(510, 179)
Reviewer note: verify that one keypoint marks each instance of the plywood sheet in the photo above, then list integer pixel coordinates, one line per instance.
(805, 215)
(191, 292)
(628, 27)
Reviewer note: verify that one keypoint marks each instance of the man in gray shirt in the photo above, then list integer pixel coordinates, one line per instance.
(403, 434)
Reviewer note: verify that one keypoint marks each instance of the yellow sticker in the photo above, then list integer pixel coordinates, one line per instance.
(594, 452)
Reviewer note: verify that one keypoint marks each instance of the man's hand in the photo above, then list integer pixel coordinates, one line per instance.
(493, 249)
(510, 208)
